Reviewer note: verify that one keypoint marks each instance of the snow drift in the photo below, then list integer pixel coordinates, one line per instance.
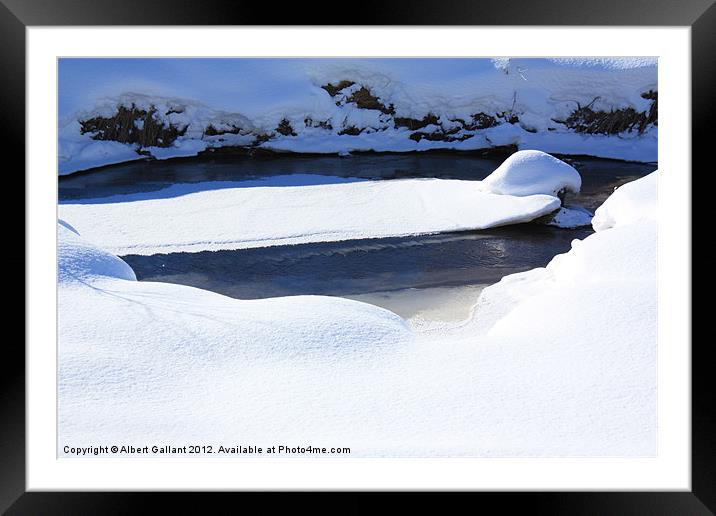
(601, 107)
(78, 260)
(557, 361)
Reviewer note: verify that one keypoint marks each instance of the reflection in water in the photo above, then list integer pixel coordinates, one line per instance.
(362, 266)
(422, 307)
(151, 176)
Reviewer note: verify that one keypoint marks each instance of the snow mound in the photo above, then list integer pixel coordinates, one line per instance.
(79, 260)
(95, 283)
(630, 203)
(532, 172)
(143, 358)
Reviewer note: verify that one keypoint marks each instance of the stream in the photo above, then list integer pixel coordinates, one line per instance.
(430, 277)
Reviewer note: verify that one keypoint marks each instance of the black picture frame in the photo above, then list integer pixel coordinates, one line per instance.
(17, 15)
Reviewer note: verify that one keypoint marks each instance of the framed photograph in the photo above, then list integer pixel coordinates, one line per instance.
(438, 249)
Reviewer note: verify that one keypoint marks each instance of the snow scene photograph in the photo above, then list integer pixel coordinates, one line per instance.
(357, 257)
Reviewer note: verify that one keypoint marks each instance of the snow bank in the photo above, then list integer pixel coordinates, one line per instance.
(200, 127)
(80, 152)
(558, 361)
(630, 203)
(288, 325)
(587, 325)
(345, 105)
(137, 359)
(622, 251)
(583, 330)
(532, 172)
(238, 215)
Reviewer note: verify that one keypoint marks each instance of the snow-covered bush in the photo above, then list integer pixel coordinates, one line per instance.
(600, 107)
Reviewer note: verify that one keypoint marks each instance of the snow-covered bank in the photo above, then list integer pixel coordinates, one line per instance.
(569, 350)
(601, 107)
(621, 256)
(131, 354)
(191, 218)
(559, 361)
(633, 202)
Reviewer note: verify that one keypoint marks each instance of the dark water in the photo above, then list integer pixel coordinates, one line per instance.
(360, 266)
(150, 176)
(599, 176)
(354, 267)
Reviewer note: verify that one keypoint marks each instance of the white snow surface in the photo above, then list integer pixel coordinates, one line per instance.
(632, 202)
(78, 260)
(255, 95)
(557, 361)
(80, 152)
(584, 327)
(532, 172)
(238, 215)
(622, 252)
